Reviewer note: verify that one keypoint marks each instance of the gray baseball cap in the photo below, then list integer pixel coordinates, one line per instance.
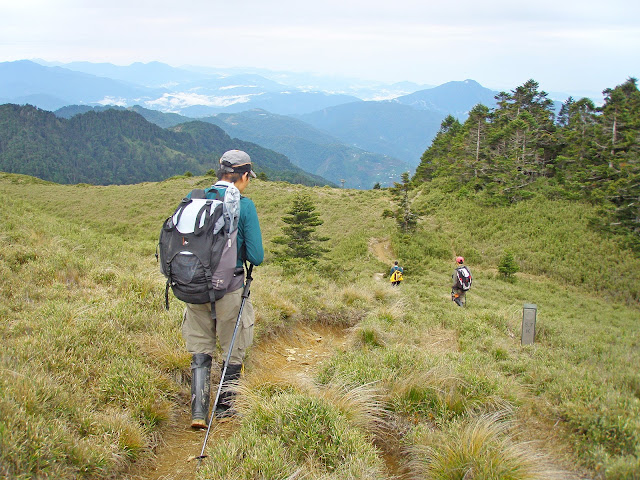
(236, 161)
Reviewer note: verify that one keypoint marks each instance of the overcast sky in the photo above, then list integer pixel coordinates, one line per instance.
(576, 46)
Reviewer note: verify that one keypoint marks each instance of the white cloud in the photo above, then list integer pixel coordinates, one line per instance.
(230, 87)
(173, 102)
(120, 102)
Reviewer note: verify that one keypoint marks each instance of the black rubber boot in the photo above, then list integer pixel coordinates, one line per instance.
(200, 389)
(458, 301)
(232, 375)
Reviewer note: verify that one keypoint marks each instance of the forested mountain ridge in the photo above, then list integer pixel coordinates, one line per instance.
(519, 149)
(162, 119)
(121, 147)
(307, 147)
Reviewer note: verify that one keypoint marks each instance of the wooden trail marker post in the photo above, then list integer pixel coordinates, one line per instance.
(529, 311)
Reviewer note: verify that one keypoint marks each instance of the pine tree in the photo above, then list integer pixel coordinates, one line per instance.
(527, 141)
(406, 219)
(477, 124)
(299, 240)
(620, 122)
(576, 138)
(508, 266)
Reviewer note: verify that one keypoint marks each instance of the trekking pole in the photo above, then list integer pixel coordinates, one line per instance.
(245, 295)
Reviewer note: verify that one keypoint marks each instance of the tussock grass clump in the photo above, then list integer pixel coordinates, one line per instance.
(167, 353)
(352, 296)
(305, 298)
(475, 448)
(439, 395)
(370, 335)
(289, 432)
(392, 310)
(362, 405)
(414, 384)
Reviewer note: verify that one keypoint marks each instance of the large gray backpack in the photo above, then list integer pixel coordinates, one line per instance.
(198, 247)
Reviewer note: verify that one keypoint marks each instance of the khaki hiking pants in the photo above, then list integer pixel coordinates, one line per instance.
(200, 332)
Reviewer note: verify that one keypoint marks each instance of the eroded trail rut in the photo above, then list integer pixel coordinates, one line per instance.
(293, 355)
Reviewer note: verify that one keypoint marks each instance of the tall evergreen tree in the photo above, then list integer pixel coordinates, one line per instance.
(526, 120)
(576, 139)
(620, 123)
(406, 219)
(477, 125)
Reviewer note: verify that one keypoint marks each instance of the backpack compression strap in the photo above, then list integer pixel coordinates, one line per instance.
(206, 209)
(212, 295)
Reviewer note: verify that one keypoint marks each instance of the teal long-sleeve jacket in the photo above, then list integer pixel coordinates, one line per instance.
(249, 235)
(394, 268)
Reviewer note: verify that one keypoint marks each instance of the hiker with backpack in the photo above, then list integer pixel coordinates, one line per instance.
(395, 275)
(226, 224)
(461, 282)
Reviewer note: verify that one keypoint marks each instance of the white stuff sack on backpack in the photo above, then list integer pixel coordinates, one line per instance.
(186, 221)
(231, 205)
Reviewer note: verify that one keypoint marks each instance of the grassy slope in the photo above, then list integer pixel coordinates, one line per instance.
(92, 363)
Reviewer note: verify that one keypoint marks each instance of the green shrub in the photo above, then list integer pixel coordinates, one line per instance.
(508, 266)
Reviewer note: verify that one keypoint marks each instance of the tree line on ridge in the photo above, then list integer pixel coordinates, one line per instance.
(520, 148)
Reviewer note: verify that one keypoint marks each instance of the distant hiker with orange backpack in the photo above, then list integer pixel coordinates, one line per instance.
(395, 275)
(461, 283)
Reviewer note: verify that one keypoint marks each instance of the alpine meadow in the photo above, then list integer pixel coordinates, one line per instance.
(94, 374)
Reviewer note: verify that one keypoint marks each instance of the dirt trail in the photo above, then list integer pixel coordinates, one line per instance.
(294, 355)
(381, 248)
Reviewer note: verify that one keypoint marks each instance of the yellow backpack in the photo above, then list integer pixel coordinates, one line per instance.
(396, 276)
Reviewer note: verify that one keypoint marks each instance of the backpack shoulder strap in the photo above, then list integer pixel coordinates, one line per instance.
(216, 193)
(198, 193)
